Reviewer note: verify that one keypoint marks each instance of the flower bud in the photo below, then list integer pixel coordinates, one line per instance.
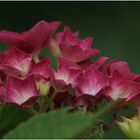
(130, 127)
(43, 87)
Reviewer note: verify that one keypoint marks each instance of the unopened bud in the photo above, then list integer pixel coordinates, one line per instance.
(43, 87)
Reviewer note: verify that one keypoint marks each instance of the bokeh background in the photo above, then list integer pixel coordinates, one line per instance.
(115, 26)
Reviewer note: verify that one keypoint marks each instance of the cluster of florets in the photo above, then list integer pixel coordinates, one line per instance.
(78, 81)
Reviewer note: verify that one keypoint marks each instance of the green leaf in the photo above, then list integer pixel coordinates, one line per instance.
(56, 124)
(11, 116)
(47, 53)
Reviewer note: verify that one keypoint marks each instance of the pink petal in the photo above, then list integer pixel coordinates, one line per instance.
(66, 35)
(73, 48)
(41, 68)
(40, 34)
(11, 38)
(137, 79)
(66, 73)
(120, 88)
(87, 43)
(91, 82)
(105, 68)
(16, 62)
(54, 25)
(123, 68)
(22, 92)
(76, 53)
(99, 62)
(33, 40)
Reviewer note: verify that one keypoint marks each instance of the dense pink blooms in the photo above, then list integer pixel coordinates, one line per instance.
(123, 84)
(77, 80)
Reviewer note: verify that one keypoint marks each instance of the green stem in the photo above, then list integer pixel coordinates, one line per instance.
(50, 100)
(42, 104)
(31, 111)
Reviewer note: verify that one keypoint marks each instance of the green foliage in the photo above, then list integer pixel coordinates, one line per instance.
(11, 116)
(46, 52)
(95, 131)
(3, 47)
(56, 124)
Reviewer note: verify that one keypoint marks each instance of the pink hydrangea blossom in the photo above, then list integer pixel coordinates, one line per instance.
(66, 74)
(42, 69)
(73, 48)
(16, 62)
(33, 40)
(91, 82)
(21, 92)
(121, 88)
(77, 81)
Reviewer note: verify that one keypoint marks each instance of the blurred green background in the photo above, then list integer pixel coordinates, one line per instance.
(115, 26)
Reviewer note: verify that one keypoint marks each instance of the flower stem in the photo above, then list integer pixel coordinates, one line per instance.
(42, 104)
(50, 100)
(31, 111)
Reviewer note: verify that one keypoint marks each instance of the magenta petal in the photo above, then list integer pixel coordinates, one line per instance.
(73, 48)
(22, 92)
(54, 25)
(99, 62)
(66, 73)
(120, 88)
(41, 68)
(137, 79)
(33, 40)
(66, 35)
(16, 62)
(11, 38)
(123, 68)
(86, 43)
(76, 53)
(16, 39)
(91, 82)
(60, 85)
(40, 34)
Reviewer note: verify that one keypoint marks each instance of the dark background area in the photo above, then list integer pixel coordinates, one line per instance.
(115, 26)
